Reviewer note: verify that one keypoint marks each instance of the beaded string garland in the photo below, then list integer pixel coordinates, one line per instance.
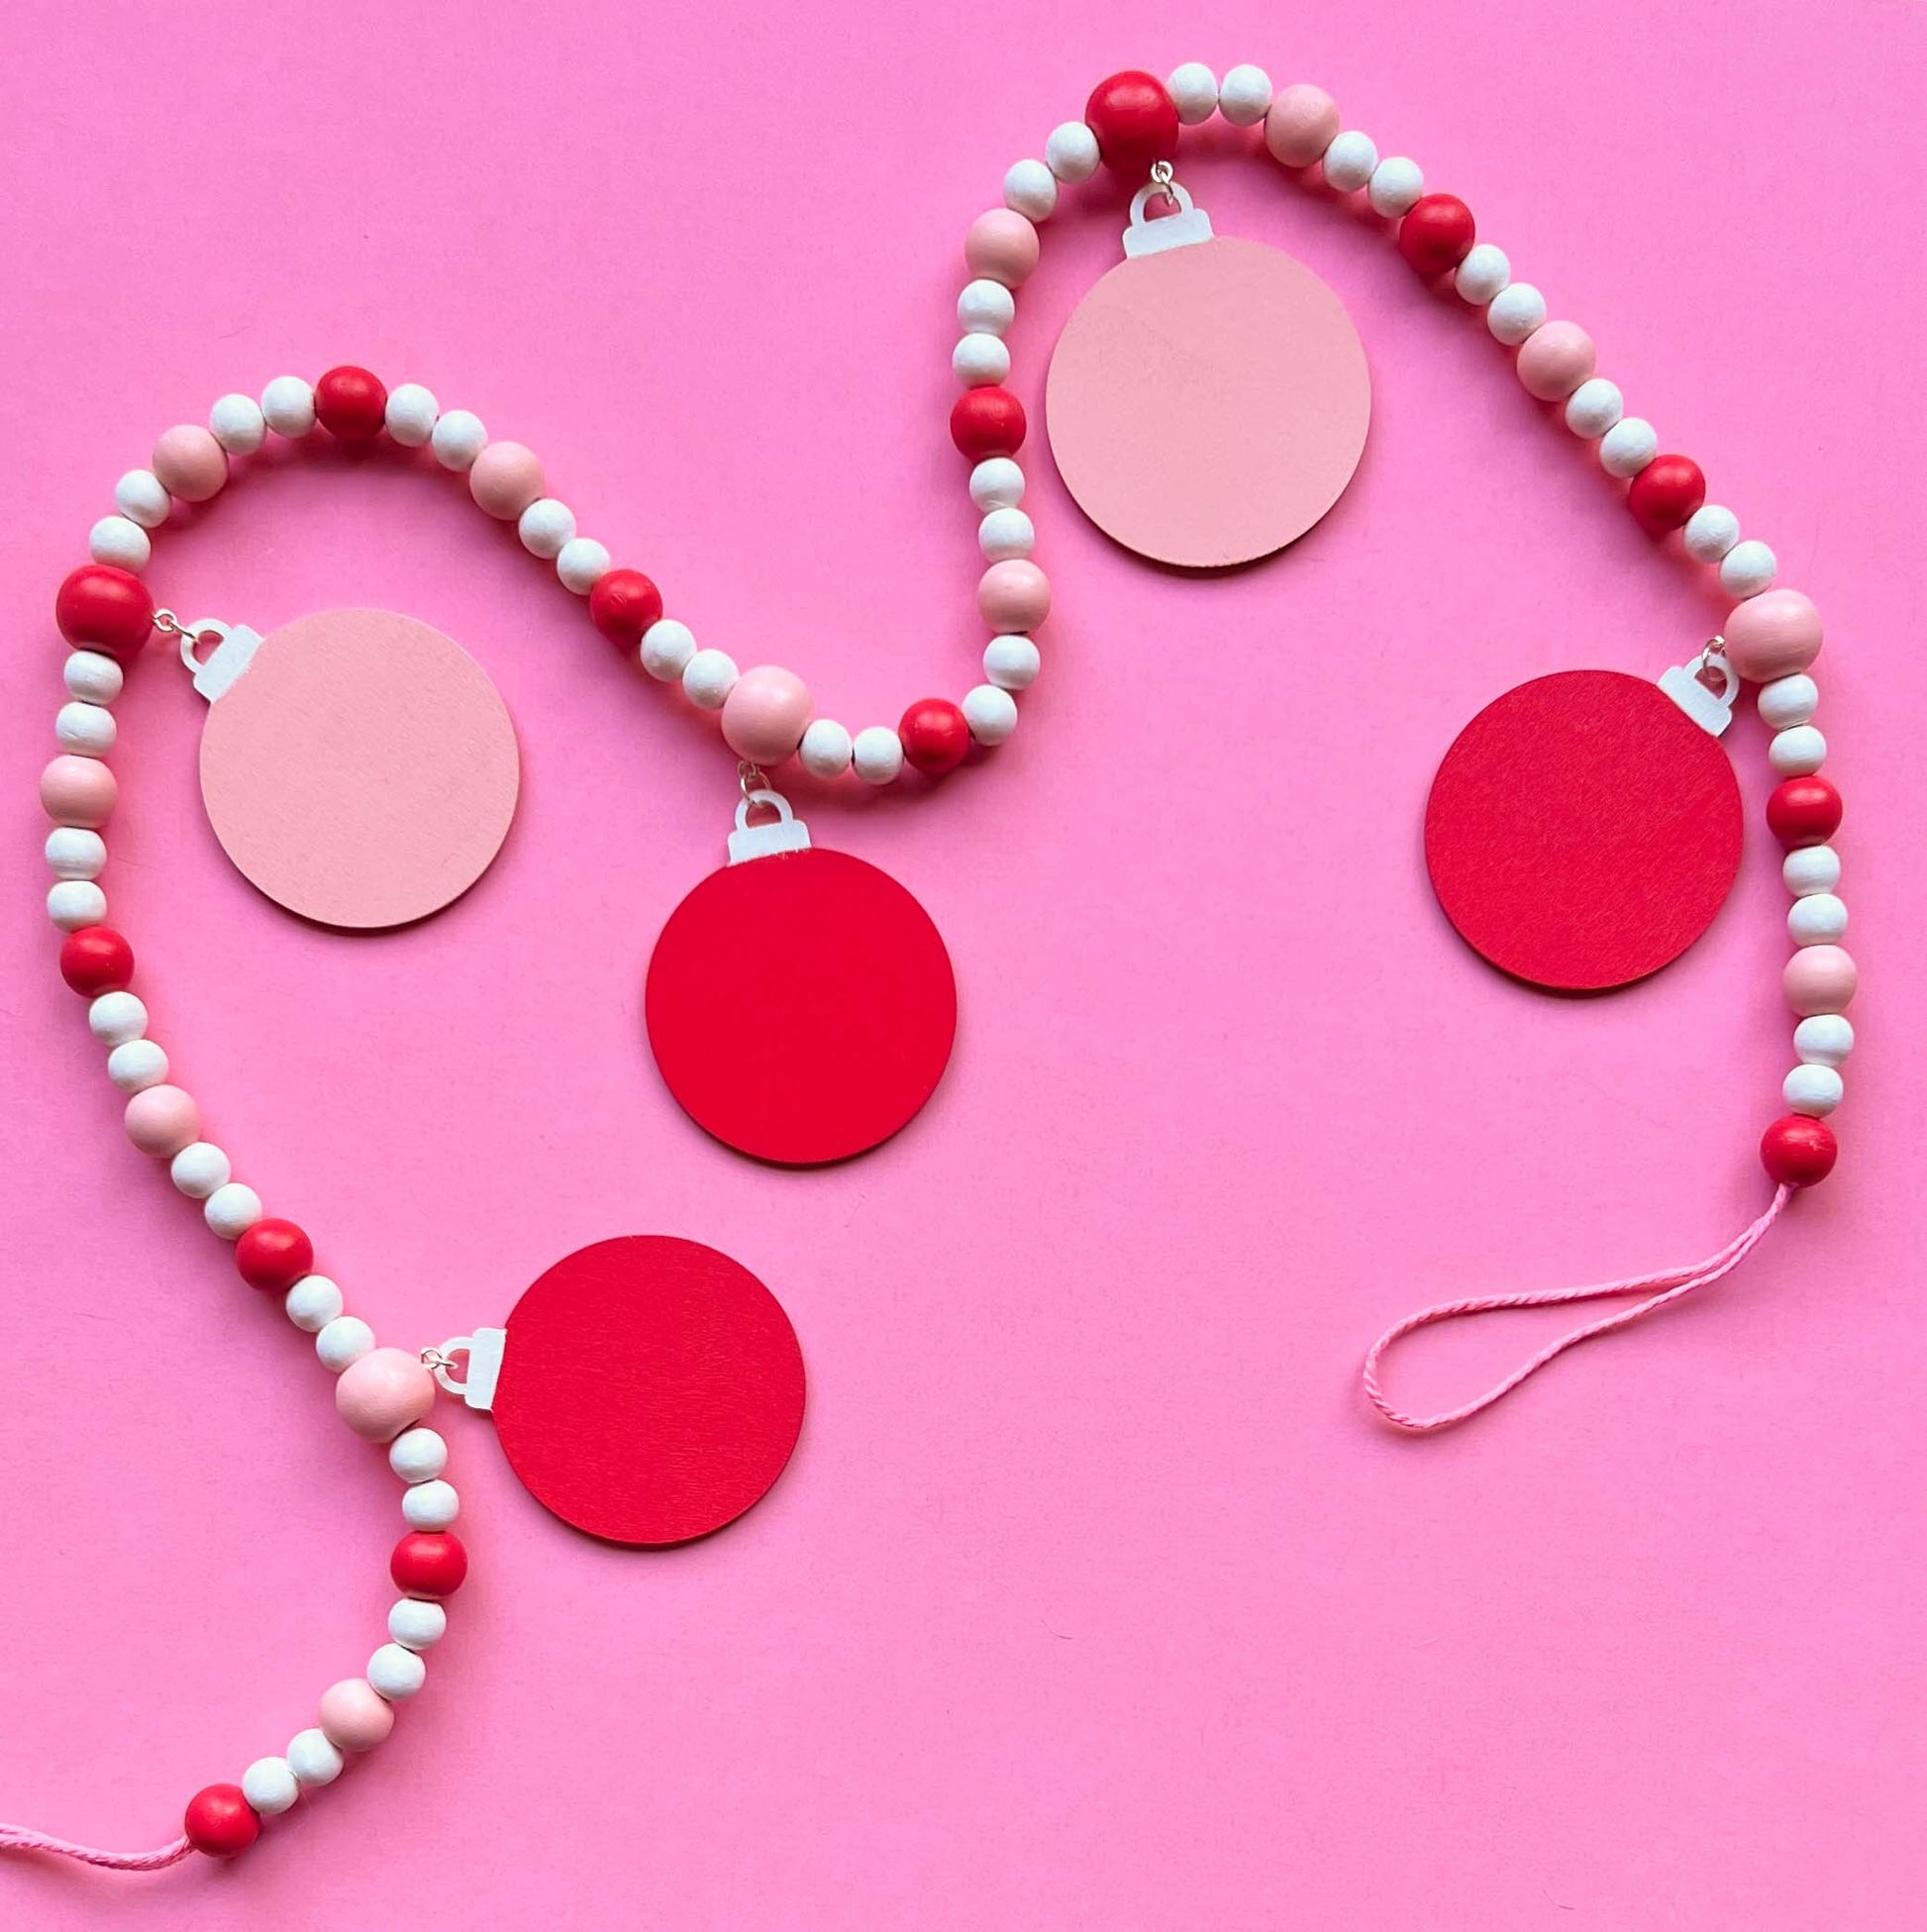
(1131, 125)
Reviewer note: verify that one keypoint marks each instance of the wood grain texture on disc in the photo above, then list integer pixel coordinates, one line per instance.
(801, 1008)
(651, 1390)
(363, 770)
(1208, 404)
(1582, 831)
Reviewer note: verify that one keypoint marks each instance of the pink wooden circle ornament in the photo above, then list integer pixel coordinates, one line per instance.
(1582, 829)
(1208, 399)
(649, 1390)
(358, 766)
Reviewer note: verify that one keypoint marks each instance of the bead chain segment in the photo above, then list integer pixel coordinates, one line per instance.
(1131, 121)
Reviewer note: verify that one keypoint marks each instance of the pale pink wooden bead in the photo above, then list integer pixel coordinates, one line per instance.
(354, 1715)
(1014, 595)
(1773, 635)
(161, 1120)
(383, 1392)
(1555, 360)
(79, 791)
(764, 714)
(1002, 246)
(190, 462)
(505, 479)
(1821, 979)
(1299, 125)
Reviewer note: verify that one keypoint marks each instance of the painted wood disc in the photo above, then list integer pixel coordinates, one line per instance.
(651, 1390)
(1582, 831)
(362, 771)
(1208, 404)
(801, 1007)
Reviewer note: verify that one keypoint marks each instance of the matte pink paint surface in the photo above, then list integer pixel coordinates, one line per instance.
(1091, 1600)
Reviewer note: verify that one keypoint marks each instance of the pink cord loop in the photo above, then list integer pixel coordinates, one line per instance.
(1661, 1289)
(15, 1838)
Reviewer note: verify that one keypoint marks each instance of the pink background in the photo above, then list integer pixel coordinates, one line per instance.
(1091, 1600)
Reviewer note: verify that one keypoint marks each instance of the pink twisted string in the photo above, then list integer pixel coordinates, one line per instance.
(15, 1838)
(1662, 1291)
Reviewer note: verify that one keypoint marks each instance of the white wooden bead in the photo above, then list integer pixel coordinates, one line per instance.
(581, 564)
(1788, 701)
(201, 1170)
(877, 753)
(430, 1505)
(417, 1624)
(237, 424)
(136, 1065)
(1810, 869)
(1396, 182)
(1796, 751)
(122, 542)
(87, 730)
(73, 903)
(709, 677)
(545, 527)
(1194, 89)
(1516, 312)
(1484, 272)
(270, 1785)
(990, 712)
(1350, 159)
(996, 483)
(986, 307)
(396, 1672)
(1748, 569)
(1711, 531)
(232, 1209)
(825, 749)
(93, 676)
(312, 1304)
(1244, 95)
(1824, 1039)
(141, 498)
(1005, 534)
(418, 1454)
(313, 1760)
(1011, 661)
(458, 439)
(979, 359)
(411, 415)
(116, 1018)
(1628, 447)
(347, 1338)
(1817, 919)
(72, 852)
(668, 646)
(1071, 154)
(1594, 407)
(1032, 189)
(289, 406)
(1813, 1089)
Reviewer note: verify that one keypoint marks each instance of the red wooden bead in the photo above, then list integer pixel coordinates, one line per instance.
(219, 1821)
(1135, 120)
(1666, 493)
(936, 736)
(987, 422)
(1436, 233)
(1804, 811)
(623, 605)
(106, 608)
(351, 403)
(1797, 1152)
(429, 1563)
(273, 1255)
(96, 960)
